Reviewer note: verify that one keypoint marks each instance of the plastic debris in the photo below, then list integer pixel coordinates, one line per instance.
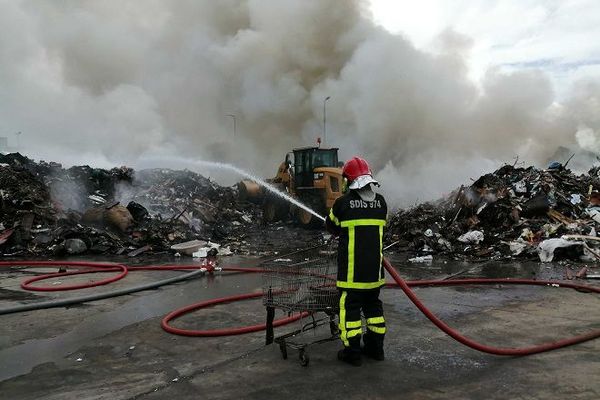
(75, 246)
(190, 247)
(521, 186)
(422, 259)
(97, 199)
(555, 165)
(594, 213)
(547, 248)
(202, 252)
(471, 237)
(517, 246)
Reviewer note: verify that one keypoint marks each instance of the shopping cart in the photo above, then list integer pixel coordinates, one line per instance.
(302, 282)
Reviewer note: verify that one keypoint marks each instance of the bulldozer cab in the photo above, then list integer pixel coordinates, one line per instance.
(310, 174)
(307, 159)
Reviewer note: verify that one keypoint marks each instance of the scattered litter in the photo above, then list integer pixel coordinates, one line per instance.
(422, 259)
(139, 251)
(4, 236)
(75, 246)
(190, 247)
(389, 246)
(582, 273)
(225, 251)
(521, 186)
(445, 244)
(471, 237)
(517, 246)
(547, 247)
(594, 213)
(202, 252)
(97, 199)
(555, 165)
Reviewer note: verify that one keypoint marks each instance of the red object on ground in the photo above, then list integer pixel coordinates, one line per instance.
(27, 283)
(93, 268)
(221, 332)
(404, 285)
(481, 347)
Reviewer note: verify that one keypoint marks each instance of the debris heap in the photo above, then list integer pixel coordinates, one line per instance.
(512, 212)
(48, 210)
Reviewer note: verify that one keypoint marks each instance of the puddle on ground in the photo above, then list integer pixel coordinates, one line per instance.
(20, 359)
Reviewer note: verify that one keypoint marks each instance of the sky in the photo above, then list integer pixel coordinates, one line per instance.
(559, 37)
(432, 93)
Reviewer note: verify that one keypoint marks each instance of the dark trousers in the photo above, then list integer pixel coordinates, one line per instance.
(352, 301)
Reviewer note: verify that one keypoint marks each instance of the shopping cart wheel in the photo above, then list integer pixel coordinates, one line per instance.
(333, 328)
(304, 359)
(283, 349)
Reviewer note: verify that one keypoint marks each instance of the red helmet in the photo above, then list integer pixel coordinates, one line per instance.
(355, 167)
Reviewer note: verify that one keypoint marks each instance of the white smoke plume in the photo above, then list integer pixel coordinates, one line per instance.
(107, 82)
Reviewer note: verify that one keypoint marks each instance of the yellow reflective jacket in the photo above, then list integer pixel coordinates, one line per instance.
(359, 224)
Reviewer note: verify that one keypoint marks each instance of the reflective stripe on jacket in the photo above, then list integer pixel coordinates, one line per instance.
(359, 224)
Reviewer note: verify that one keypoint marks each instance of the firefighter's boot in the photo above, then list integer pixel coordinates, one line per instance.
(349, 356)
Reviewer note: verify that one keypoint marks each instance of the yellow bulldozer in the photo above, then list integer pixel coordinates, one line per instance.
(312, 175)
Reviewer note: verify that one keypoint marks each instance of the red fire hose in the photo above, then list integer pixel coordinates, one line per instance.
(91, 267)
(481, 347)
(399, 282)
(221, 332)
(405, 286)
(27, 283)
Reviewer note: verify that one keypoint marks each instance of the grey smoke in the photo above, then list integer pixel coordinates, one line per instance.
(109, 82)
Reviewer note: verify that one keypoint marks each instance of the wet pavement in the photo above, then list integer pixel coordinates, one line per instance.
(116, 349)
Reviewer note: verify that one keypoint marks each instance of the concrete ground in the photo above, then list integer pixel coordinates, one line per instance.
(116, 349)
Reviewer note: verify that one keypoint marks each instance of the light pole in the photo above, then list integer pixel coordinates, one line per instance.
(325, 119)
(234, 123)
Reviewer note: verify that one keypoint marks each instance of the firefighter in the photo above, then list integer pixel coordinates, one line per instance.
(358, 218)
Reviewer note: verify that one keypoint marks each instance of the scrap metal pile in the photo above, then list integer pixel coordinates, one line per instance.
(511, 213)
(48, 210)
